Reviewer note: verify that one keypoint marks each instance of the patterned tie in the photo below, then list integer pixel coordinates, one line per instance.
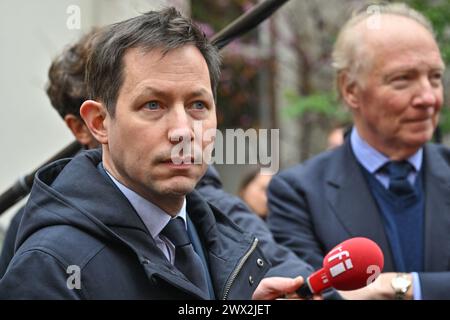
(398, 172)
(186, 259)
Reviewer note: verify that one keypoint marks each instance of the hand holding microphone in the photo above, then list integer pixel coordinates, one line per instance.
(350, 265)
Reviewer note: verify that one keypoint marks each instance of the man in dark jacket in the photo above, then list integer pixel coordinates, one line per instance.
(78, 223)
(96, 227)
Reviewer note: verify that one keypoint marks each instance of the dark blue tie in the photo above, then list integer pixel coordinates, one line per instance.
(186, 259)
(398, 172)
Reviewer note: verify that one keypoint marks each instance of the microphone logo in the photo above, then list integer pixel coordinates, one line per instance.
(343, 265)
(374, 271)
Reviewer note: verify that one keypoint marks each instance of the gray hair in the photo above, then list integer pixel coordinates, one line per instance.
(166, 30)
(350, 53)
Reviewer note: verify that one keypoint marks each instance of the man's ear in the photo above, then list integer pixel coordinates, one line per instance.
(79, 130)
(95, 116)
(349, 90)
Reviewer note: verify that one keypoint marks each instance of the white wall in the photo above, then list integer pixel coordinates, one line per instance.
(31, 34)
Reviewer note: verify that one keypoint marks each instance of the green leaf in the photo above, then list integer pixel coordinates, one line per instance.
(322, 103)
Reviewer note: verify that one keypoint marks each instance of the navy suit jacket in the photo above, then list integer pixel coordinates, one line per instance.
(316, 205)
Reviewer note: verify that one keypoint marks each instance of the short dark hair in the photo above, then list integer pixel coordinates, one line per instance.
(66, 87)
(166, 29)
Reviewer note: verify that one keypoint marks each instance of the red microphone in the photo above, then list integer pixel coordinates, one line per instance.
(352, 264)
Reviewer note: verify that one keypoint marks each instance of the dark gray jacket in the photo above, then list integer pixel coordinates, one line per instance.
(75, 218)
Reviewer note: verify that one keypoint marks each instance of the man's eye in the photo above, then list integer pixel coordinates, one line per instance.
(401, 78)
(437, 76)
(153, 105)
(198, 105)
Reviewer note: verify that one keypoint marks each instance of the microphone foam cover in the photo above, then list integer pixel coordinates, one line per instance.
(353, 264)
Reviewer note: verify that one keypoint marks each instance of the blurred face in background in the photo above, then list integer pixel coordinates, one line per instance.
(335, 138)
(81, 131)
(254, 194)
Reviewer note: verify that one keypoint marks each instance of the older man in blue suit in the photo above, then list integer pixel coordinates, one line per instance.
(386, 182)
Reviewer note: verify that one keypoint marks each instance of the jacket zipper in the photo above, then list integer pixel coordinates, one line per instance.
(238, 268)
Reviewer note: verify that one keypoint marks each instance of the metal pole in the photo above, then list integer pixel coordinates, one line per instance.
(23, 185)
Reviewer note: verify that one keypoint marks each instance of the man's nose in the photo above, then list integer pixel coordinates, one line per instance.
(180, 126)
(427, 95)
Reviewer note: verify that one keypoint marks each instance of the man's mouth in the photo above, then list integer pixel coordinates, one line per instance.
(420, 119)
(179, 161)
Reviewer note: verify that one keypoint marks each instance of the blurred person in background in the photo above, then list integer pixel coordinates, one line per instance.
(335, 137)
(66, 90)
(253, 191)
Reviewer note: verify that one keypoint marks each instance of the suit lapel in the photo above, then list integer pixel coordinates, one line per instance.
(349, 196)
(437, 211)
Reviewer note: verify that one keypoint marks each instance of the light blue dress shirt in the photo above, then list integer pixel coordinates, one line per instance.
(372, 160)
(154, 218)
